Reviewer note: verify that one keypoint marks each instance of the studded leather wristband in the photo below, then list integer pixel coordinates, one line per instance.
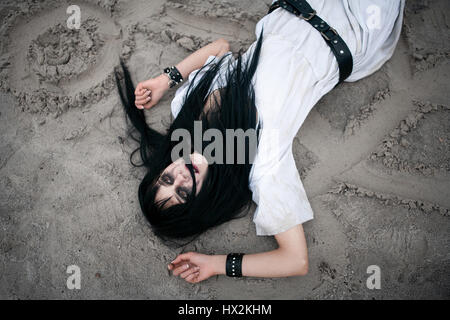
(234, 265)
(174, 76)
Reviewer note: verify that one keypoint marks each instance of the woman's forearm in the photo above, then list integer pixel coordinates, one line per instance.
(271, 264)
(197, 59)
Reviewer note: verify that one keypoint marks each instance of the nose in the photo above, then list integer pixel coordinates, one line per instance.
(182, 177)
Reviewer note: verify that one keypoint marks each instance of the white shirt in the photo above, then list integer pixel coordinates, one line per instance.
(296, 69)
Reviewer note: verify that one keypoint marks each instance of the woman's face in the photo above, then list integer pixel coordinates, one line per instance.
(175, 182)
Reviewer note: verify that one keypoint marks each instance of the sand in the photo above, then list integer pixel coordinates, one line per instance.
(374, 157)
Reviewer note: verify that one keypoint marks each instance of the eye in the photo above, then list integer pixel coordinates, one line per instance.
(183, 194)
(166, 179)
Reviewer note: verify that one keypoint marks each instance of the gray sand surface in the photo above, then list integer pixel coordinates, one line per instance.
(374, 157)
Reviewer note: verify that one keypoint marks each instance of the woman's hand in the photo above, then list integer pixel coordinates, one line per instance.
(149, 92)
(195, 267)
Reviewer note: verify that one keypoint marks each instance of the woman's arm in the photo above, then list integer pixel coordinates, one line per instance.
(198, 58)
(160, 84)
(289, 259)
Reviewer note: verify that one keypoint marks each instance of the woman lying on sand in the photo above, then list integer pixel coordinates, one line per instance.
(267, 92)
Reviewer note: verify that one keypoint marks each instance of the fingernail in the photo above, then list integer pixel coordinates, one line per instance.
(141, 107)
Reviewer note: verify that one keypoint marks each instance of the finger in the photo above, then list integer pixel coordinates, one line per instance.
(183, 256)
(174, 266)
(143, 93)
(139, 106)
(145, 105)
(138, 88)
(193, 277)
(189, 272)
(137, 100)
(180, 269)
(143, 101)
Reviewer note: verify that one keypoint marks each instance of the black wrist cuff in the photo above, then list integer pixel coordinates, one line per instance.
(234, 265)
(174, 75)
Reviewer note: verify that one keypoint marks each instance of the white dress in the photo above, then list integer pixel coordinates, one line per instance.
(296, 69)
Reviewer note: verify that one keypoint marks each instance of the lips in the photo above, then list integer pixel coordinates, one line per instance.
(196, 158)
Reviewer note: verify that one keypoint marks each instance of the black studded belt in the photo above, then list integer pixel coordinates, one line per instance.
(303, 10)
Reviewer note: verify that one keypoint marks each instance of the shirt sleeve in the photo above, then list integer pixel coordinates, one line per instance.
(281, 198)
(218, 82)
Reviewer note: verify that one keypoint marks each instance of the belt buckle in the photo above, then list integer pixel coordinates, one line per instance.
(311, 15)
(325, 36)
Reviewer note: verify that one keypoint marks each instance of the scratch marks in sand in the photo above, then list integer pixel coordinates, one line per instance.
(51, 68)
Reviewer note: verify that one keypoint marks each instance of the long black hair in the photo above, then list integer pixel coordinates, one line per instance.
(225, 191)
